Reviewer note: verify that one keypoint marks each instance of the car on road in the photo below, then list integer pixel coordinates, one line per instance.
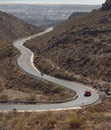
(87, 93)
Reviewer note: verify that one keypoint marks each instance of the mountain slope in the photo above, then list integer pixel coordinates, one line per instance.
(14, 83)
(76, 14)
(12, 27)
(106, 5)
(77, 47)
(11, 78)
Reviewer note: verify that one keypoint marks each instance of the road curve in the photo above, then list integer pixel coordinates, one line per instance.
(25, 61)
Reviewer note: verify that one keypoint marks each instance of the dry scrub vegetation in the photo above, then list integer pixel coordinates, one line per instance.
(77, 49)
(96, 117)
(15, 85)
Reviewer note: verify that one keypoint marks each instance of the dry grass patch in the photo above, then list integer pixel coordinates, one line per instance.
(84, 119)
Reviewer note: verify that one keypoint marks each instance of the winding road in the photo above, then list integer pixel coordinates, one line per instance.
(25, 61)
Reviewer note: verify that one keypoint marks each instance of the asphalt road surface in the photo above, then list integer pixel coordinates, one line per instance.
(25, 61)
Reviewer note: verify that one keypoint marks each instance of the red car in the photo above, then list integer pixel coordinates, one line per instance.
(87, 93)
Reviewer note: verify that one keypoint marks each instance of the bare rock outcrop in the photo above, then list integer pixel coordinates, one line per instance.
(106, 5)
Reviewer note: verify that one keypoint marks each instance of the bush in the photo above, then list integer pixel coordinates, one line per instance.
(4, 97)
(74, 122)
(32, 98)
(50, 123)
(58, 89)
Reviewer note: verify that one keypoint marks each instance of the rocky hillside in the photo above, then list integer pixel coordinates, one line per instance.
(106, 5)
(76, 14)
(79, 47)
(12, 27)
(14, 84)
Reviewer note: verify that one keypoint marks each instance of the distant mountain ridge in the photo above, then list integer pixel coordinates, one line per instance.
(76, 14)
(44, 15)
